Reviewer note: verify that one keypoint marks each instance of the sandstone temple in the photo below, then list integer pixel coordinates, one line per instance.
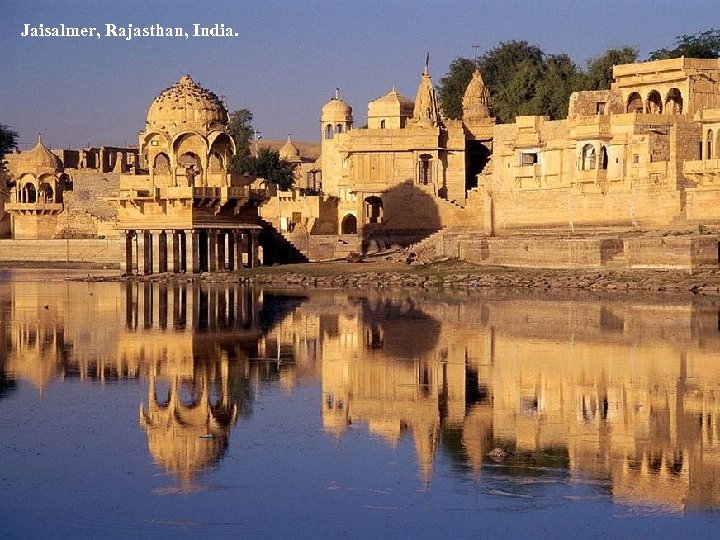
(628, 179)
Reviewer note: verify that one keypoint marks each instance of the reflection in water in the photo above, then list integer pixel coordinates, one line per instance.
(624, 393)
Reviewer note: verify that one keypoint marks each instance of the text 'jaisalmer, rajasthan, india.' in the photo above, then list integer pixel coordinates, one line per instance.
(485, 308)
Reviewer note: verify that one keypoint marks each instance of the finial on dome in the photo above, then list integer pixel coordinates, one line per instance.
(39, 138)
(186, 79)
(427, 64)
(289, 136)
(337, 93)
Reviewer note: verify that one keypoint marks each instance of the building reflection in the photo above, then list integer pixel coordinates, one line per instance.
(620, 392)
(196, 346)
(605, 389)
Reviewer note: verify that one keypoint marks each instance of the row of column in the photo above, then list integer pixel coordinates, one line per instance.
(193, 251)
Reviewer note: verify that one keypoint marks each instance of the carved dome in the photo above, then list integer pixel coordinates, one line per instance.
(186, 105)
(39, 159)
(336, 110)
(290, 152)
(476, 101)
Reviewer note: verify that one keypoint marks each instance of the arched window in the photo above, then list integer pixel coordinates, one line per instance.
(216, 163)
(425, 169)
(339, 128)
(603, 158)
(654, 103)
(587, 157)
(29, 195)
(673, 102)
(709, 145)
(373, 209)
(329, 131)
(348, 225)
(382, 124)
(634, 103)
(161, 164)
(191, 163)
(45, 193)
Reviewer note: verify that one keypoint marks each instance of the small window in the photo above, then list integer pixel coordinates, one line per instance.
(382, 124)
(636, 158)
(600, 107)
(528, 158)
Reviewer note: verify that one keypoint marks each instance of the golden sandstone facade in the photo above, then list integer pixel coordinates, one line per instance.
(621, 182)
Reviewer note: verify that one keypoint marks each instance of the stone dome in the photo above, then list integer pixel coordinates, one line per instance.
(40, 158)
(290, 152)
(336, 110)
(476, 101)
(186, 105)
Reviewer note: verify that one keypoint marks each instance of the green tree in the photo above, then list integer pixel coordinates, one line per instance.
(452, 86)
(698, 45)
(269, 165)
(560, 78)
(241, 130)
(599, 70)
(8, 141)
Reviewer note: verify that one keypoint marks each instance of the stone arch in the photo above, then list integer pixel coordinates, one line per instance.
(373, 209)
(654, 103)
(192, 166)
(674, 101)
(425, 163)
(161, 164)
(216, 163)
(339, 128)
(28, 193)
(603, 162)
(45, 193)
(349, 224)
(709, 145)
(329, 131)
(634, 103)
(587, 157)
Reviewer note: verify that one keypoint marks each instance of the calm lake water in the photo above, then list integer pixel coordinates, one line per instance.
(146, 410)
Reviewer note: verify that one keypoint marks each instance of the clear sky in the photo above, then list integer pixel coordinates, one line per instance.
(288, 56)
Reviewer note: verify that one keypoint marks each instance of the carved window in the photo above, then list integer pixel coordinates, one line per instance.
(673, 102)
(654, 103)
(329, 131)
(528, 158)
(382, 124)
(425, 169)
(603, 158)
(588, 157)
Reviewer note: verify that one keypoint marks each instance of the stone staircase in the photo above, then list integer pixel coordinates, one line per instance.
(277, 249)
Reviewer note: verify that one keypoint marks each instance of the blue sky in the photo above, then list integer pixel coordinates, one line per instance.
(289, 55)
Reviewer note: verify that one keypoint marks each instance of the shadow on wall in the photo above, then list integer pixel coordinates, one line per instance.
(399, 217)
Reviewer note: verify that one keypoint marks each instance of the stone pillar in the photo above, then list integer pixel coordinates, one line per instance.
(155, 246)
(212, 250)
(221, 239)
(140, 242)
(192, 251)
(176, 251)
(129, 248)
(253, 249)
(231, 250)
(237, 236)
(163, 252)
(147, 252)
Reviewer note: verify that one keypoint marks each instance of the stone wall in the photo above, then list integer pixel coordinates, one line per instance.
(101, 253)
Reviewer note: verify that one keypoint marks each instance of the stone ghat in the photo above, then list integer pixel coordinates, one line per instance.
(441, 276)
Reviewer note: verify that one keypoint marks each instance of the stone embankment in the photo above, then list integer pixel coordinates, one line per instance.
(453, 275)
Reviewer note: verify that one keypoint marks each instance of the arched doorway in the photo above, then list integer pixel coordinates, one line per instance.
(45, 193)
(28, 194)
(191, 163)
(476, 158)
(603, 158)
(673, 102)
(373, 209)
(654, 103)
(425, 169)
(349, 225)
(161, 164)
(634, 103)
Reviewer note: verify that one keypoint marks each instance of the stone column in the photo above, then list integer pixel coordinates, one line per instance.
(129, 248)
(231, 235)
(237, 236)
(140, 246)
(212, 250)
(253, 249)
(192, 247)
(156, 251)
(163, 252)
(221, 239)
(175, 239)
(148, 252)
